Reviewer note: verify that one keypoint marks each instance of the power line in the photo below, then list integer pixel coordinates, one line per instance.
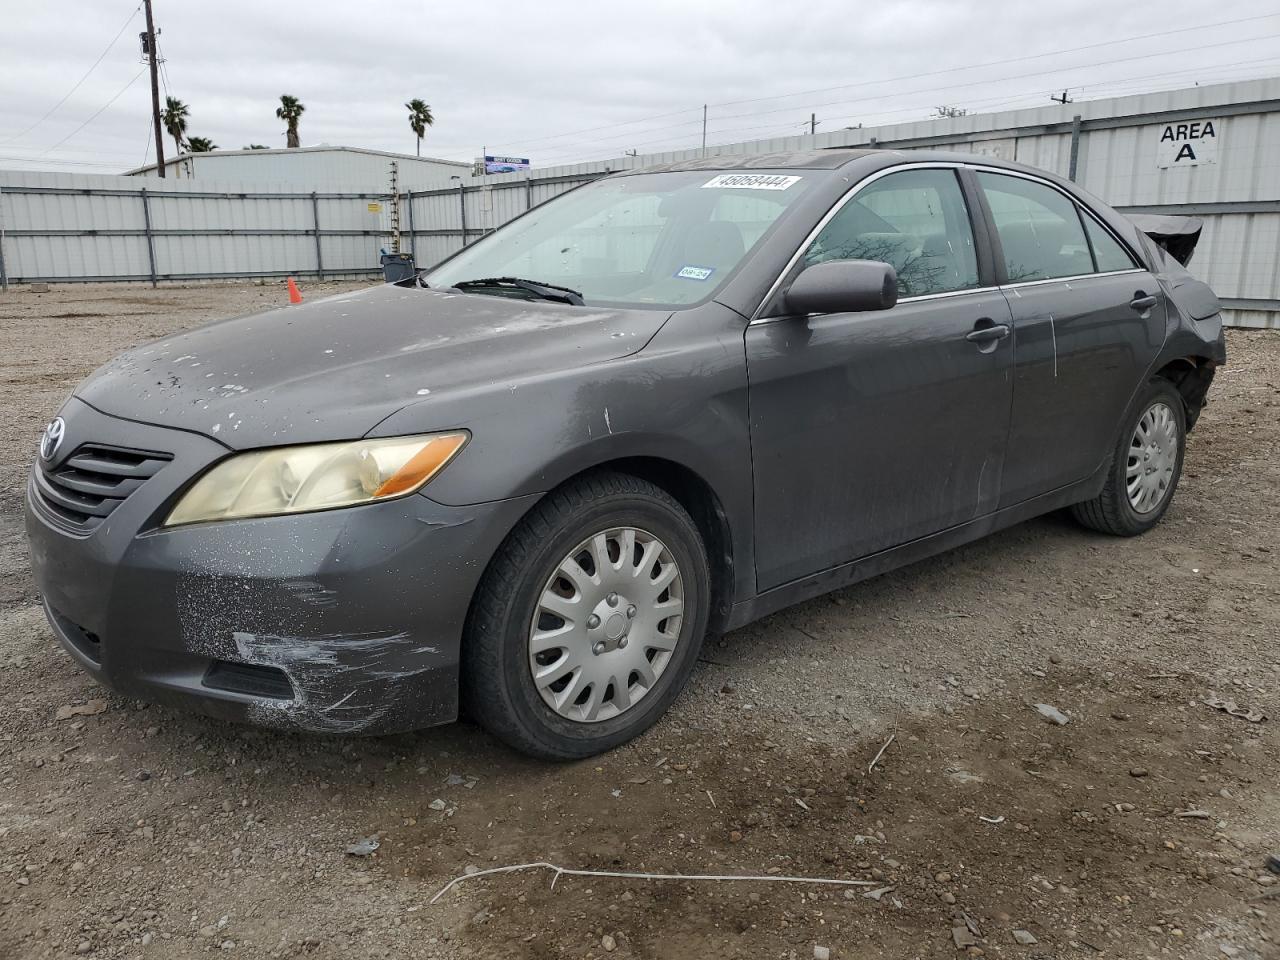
(146, 151)
(1030, 99)
(918, 76)
(1035, 96)
(948, 87)
(1021, 76)
(164, 66)
(1000, 63)
(68, 94)
(119, 94)
(36, 151)
(996, 100)
(56, 162)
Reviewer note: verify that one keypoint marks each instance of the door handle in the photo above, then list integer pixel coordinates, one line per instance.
(986, 332)
(1142, 301)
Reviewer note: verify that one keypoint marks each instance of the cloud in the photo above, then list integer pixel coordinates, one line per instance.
(526, 78)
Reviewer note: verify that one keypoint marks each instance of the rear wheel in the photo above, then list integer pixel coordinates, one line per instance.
(1145, 467)
(589, 619)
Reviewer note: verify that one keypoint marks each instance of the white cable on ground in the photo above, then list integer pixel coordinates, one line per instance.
(542, 865)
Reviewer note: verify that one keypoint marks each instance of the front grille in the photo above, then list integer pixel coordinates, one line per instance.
(85, 488)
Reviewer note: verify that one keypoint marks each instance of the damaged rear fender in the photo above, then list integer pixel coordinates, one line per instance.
(1192, 376)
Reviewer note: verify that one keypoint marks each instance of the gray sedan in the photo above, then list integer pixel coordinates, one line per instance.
(532, 479)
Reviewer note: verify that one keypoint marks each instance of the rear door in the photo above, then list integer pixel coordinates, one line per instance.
(872, 429)
(1088, 322)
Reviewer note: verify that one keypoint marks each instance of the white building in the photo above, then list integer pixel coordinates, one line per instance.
(310, 168)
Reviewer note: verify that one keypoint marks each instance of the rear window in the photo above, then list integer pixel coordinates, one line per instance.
(1107, 251)
(1039, 229)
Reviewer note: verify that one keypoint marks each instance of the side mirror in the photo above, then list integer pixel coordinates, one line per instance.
(843, 286)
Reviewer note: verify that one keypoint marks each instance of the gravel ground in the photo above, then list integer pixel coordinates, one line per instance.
(1139, 829)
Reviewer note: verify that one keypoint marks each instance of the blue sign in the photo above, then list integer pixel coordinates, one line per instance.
(505, 164)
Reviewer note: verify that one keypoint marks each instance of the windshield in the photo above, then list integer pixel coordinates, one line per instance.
(652, 240)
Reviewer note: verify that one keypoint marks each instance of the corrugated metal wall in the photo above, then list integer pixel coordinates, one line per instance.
(59, 226)
(1115, 148)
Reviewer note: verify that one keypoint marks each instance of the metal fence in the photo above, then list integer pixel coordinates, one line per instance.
(134, 230)
(85, 231)
(61, 227)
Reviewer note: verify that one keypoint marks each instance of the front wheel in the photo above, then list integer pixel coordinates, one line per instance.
(589, 619)
(1145, 467)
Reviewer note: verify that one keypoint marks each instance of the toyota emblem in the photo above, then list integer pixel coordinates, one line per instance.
(51, 439)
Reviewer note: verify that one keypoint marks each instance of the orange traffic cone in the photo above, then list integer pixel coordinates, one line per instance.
(295, 296)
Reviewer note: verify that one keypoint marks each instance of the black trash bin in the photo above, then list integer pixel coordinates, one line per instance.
(398, 266)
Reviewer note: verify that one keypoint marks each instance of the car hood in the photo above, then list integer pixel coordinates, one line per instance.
(333, 368)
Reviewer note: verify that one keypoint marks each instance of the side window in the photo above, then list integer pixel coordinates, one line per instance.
(916, 221)
(1039, 229)
(1107, 252)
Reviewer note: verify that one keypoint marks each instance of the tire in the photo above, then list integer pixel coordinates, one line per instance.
(1113, 511)
(524, 579)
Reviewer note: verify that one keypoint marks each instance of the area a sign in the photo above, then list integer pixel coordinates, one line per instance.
(1187, 144)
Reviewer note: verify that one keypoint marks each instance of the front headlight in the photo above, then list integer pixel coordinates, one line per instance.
(318, 476)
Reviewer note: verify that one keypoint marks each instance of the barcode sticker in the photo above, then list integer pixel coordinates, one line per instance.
(751, 181)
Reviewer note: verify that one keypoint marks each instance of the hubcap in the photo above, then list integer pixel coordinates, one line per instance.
(607, 623)
(1153, 454)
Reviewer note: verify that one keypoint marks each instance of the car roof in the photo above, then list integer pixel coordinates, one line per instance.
(786, 160)
(832, 159)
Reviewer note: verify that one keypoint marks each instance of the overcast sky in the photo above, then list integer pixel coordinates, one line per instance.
(566, 80)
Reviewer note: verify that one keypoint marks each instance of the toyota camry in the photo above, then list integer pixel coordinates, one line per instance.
(530, 480)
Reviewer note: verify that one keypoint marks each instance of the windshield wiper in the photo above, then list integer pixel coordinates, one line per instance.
(543, 291)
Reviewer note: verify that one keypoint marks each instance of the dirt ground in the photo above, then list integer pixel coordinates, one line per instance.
(1140, 829)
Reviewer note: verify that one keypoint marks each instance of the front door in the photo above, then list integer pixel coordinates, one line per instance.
(869, 430)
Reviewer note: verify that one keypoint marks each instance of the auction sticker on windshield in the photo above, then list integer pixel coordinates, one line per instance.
(695, 273)
(751, 181)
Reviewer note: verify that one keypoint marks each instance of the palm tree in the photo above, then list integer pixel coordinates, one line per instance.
(174, 119)
(290, 111)
(201, 145)
(419, 119)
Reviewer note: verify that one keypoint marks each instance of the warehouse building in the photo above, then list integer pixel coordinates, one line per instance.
(308, 168)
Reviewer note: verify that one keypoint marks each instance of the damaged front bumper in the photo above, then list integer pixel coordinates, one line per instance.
(345, 621)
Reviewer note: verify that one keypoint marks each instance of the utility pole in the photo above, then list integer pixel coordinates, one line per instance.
(704, 128)
(1064, 99)
(395, 207)
(813, 124)
(155, 89)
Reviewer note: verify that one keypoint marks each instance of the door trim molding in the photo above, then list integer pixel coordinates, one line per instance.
(945, 295)
(1075, 277)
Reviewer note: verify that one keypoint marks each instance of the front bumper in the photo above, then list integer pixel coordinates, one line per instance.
(345, 621)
